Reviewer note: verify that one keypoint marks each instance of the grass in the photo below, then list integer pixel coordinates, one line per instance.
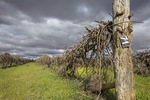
(142, 89)
(142, 84)
(32, 82)
(82, 72)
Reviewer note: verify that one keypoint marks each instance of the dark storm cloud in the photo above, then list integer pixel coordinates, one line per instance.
(36, 39)
(39, 52)
(140, 9)
(141, 39)
(68, 9)
(77, 10)
(4, 22)
(31, 28)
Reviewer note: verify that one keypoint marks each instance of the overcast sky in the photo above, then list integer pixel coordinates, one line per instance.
(31, 28)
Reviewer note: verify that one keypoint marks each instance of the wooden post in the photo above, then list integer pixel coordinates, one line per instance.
(122, 29)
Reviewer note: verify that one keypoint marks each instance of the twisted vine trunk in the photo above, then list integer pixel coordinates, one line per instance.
(122, 53)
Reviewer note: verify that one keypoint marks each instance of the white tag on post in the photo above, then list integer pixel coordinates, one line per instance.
(125, 41)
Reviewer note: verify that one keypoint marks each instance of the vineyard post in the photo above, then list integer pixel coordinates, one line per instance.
(122, 29)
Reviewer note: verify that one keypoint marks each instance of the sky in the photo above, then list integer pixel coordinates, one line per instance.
(31, 28)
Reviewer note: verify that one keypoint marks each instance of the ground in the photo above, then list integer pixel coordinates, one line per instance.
(32, 82)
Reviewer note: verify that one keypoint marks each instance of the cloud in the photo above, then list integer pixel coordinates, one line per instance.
(76, 10)
(31, 28)
(35, 39)
(142, 12)
(141, 36)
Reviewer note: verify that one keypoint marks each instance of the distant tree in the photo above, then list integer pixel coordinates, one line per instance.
(8, 60)
(45, 60)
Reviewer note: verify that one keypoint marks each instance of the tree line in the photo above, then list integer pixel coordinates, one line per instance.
(9, 60)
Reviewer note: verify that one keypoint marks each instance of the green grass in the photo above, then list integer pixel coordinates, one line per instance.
(82, 72)
(142, 88)
(32, 82)
(142, 84)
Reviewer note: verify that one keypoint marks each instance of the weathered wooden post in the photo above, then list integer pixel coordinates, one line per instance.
(122, 30)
